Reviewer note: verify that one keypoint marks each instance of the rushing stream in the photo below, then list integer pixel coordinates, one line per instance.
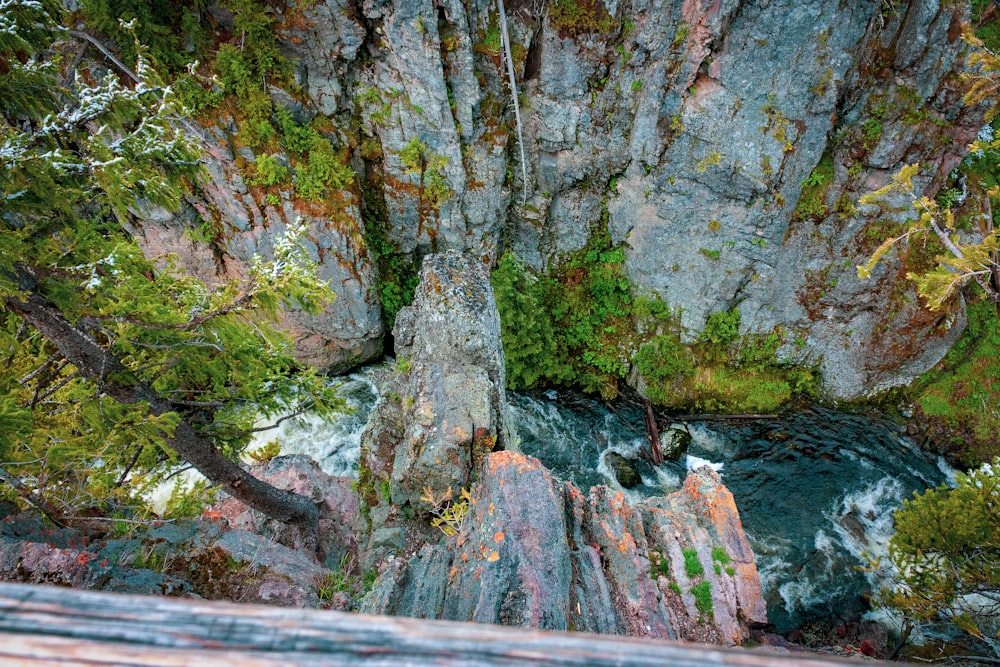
(815, 489)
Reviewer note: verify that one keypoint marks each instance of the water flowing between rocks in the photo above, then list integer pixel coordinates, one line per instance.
(816, 489)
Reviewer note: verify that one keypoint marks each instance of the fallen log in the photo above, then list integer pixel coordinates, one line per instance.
(711, 417)
(42, 625)
(653, 436)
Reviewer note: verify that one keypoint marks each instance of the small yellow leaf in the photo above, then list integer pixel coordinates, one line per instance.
(493, 557)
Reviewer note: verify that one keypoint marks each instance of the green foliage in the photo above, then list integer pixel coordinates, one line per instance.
(947, 547)
(871, 132)
(960, 392)
(703, 598)
(526, 328)
(241, 81)
(577, 17)
(398, 274)
(421, 161)
(579, 324)
(722, 328)
(209, 358)
(682, 33)
(591, 303)
(663, 361)
(722, 372)
(318, 168)
(268, 171)
(812, 201)
(692, 565)
(187, 502)
(988, 31)
(245, 69)
(719, 554)
(568, 327)
(173, 33)
(659, 566)
(960, 262)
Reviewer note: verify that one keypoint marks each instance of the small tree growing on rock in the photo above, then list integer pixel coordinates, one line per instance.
(947, 552)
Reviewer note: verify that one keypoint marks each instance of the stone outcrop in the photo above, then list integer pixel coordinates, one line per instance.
(339, 505)
(447, 408)
(194, 558)
(536, 552)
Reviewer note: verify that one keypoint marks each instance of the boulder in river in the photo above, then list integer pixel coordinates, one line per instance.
(674, 443)
(624, 470)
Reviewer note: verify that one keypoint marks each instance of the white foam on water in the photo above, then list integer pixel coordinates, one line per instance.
(694, 462)
(333, 441)
(159, 496)
(871, 508)
(667, 480)
(706, 439)
(769, 556)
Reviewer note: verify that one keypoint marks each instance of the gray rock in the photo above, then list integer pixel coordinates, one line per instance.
(451, 409)
(625, 471)
(349, 330)
(674, 443)
(340, 515)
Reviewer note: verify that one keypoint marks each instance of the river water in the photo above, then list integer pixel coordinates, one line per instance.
(816, 489)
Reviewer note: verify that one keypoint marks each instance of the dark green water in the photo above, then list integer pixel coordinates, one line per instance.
(816, 489)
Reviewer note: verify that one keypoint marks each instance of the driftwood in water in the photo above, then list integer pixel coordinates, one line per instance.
(653, 435)
(709, 418)
(43, 626)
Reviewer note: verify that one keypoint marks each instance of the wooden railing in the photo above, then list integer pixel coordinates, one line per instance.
(42, 625)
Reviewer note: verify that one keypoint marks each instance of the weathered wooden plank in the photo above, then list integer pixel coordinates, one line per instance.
(44, 625)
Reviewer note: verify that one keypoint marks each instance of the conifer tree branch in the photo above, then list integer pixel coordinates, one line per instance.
(100, 365)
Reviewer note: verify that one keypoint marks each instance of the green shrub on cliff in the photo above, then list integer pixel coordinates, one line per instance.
(173, 33)
(959, 394)
(571, 326)
(580, 325)
(947, 552)
(529, 340)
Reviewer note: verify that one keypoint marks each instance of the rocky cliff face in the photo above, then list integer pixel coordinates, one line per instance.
(723, 144)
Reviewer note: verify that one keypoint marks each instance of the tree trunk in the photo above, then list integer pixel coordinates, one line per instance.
(105, 369)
